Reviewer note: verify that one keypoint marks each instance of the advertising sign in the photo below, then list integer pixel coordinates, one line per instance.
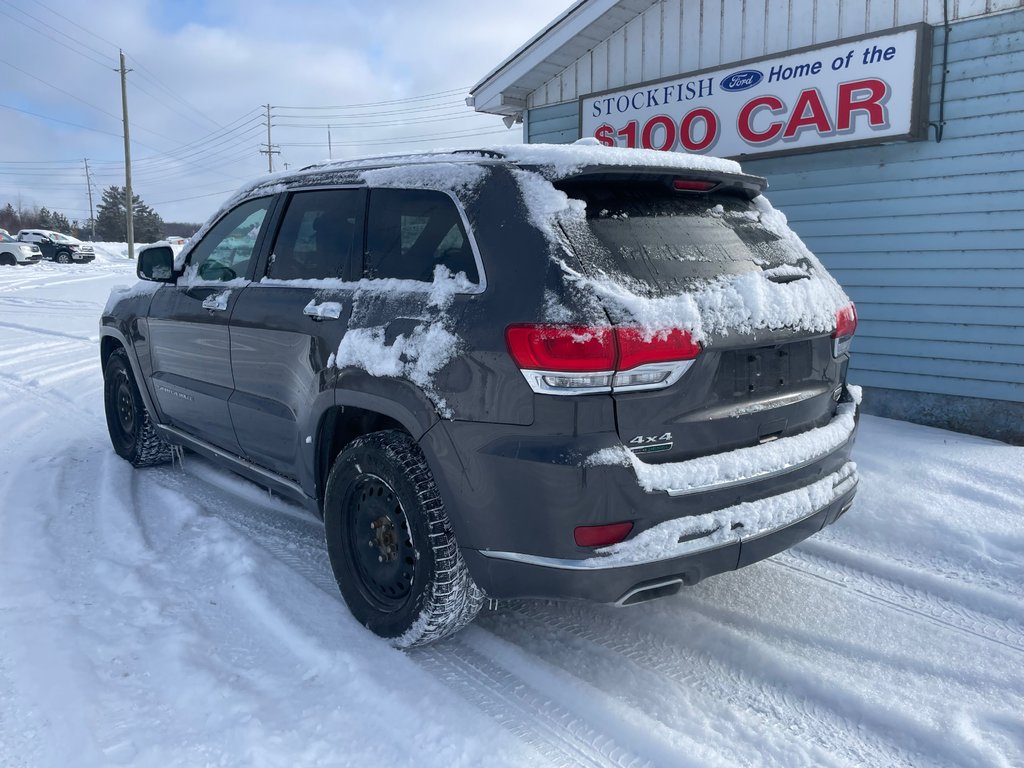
(862, 90)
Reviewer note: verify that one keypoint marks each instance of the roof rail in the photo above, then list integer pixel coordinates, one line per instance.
(491, 153)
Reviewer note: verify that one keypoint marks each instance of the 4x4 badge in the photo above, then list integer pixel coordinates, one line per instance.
(651, 443)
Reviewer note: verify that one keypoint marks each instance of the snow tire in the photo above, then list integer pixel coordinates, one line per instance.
(131, 429)
(391, 545)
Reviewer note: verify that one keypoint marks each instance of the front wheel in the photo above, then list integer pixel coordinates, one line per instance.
(391, 544)
(64, 257)
(131, 430)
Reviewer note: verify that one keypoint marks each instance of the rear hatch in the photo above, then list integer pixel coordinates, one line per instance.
(665, 238)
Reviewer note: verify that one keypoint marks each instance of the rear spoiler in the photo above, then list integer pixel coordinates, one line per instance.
(739, 184)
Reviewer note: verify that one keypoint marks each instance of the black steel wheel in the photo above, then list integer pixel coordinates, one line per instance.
(131, 430)
(391, 546)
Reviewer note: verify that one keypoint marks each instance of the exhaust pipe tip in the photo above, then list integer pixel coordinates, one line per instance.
(650, 591)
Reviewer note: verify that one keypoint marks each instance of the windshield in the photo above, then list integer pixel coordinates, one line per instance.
(6, 238)
(664, 241)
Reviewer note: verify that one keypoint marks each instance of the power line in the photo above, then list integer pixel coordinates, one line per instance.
(63, 122)
(49, 36)
(399, 140)
(76, 24)
(424, 97)
(193, 197)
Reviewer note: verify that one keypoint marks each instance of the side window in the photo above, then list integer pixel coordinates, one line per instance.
(318, 236)
(410, 231)
(226, 250)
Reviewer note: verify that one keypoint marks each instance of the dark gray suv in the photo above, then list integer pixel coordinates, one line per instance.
(563, 372)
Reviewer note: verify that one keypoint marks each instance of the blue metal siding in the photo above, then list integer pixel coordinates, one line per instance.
(927, 237)
(556, 124)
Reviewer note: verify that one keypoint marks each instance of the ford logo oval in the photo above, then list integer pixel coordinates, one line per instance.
(740, 81)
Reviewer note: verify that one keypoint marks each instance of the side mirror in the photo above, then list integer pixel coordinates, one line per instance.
(156, 264)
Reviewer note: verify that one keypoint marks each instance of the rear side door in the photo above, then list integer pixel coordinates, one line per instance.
(188, 326)
(286, 325)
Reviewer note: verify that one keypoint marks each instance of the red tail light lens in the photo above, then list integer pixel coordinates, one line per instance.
(846, 322)
(571, 359)
(637, 348)
(846, 326)
(693, 185)
(562, 348)
(601, 535)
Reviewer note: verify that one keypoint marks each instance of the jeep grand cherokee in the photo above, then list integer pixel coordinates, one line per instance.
(571, 372)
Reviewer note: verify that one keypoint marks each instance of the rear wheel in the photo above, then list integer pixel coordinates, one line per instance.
(391, 545)
(131, 430)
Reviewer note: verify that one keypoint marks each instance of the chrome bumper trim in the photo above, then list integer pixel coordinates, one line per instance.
(843, 481)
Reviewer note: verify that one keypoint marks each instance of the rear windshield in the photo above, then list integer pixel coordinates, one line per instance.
(663, 241)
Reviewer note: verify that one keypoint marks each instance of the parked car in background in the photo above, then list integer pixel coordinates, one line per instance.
(557, 372)
(14, 252)
(58, 247)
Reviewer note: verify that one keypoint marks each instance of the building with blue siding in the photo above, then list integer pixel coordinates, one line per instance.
(924, 231)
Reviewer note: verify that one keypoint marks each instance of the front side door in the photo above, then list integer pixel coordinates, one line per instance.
(188, 326)
(287, 324)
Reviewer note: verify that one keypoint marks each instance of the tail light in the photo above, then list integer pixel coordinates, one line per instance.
(846, 326)
(570, 360)
(601, 535)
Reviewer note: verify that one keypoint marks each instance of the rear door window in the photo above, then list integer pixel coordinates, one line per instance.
(412, 231)
(318, 236)
(664, 241)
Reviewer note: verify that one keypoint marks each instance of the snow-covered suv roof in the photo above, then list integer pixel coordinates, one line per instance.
(553, 161)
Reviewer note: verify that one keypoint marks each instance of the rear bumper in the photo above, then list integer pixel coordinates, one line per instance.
(514, 499)
(630, 579)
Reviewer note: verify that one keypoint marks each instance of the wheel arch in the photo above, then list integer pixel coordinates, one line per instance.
(111, 339)
(355, 414)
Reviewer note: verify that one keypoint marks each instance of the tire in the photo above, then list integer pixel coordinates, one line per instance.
(131, 430)
(63, 257)
(6, 260)
(391, 545)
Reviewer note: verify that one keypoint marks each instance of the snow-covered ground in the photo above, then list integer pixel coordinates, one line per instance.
(182, 617)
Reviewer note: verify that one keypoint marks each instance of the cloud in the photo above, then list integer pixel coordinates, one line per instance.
(202, 70)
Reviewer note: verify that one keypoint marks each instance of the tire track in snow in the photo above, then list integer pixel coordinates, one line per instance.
(941, 575)
(904, 598)
(561, 737)
(804, 714)
(501, 695)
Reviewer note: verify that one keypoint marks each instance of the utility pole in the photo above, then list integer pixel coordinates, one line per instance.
(127, 161)
(269, 151)
(330, 151)
(88, 183)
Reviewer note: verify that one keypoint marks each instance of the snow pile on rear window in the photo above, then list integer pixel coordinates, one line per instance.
(745, 303)
(416, 356)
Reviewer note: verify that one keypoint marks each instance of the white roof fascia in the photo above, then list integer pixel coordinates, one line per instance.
(505, 89)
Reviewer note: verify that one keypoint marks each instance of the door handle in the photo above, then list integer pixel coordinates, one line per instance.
(329, 310)
(217, 301)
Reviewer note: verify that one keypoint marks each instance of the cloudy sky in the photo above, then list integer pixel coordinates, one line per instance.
(379, 73)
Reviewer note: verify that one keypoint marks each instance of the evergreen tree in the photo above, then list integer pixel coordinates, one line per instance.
(44, 219)
(110, 218)
(9, 219)
(59, 222)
